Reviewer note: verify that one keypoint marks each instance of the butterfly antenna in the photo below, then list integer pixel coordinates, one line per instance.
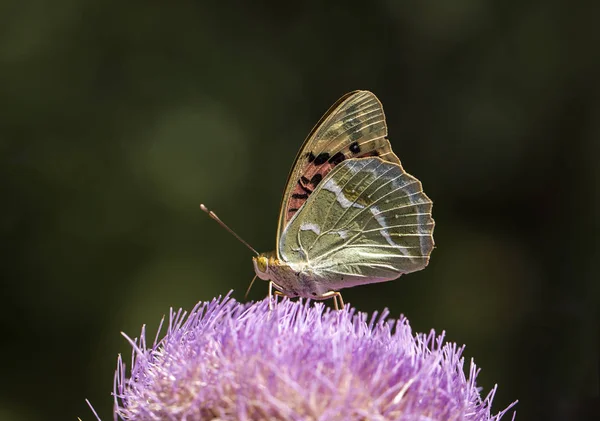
(250, 286)
(232, 232)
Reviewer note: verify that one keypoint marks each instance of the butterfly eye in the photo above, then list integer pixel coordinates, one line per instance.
(261, 263)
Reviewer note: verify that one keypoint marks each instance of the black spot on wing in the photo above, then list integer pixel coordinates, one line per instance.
(310, 156)
(304, 180)
(337, 158)
(307, 190)
(355, 148)
(316, 179)
(322, 158)
(300, 196)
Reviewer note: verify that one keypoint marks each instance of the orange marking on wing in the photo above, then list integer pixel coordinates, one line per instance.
(302, 190)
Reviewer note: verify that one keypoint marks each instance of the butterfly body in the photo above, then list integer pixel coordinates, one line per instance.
(350, 214)
(291, 279)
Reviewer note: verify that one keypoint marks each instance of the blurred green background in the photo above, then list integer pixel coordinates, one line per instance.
(119, 118)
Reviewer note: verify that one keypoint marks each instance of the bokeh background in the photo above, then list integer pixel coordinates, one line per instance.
(119, 118)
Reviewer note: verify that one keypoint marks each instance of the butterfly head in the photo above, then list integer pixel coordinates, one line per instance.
(268, 267)
(261, 265)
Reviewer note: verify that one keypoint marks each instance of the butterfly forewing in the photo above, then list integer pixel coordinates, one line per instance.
(368, 221)
(354, 127)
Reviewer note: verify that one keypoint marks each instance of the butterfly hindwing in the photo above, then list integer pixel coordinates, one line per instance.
(367, 221)
(354, 127)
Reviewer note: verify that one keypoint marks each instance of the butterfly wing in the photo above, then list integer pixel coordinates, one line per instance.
(353, 127)
(368, 221)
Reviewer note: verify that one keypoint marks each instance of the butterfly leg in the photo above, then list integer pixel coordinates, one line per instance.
(335, 295)
(271, 295)
(339, 295)
(274, 292)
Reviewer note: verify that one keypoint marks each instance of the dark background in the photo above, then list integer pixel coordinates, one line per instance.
(119, 118)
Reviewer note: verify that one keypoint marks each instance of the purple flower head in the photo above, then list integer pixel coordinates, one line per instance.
(299, 361)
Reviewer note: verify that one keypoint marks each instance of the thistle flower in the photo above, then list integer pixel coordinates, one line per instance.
(299, 361)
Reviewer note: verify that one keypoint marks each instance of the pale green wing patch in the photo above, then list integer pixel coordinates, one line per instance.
(368, 221)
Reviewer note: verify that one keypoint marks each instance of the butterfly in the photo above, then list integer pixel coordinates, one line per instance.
(350, 214)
